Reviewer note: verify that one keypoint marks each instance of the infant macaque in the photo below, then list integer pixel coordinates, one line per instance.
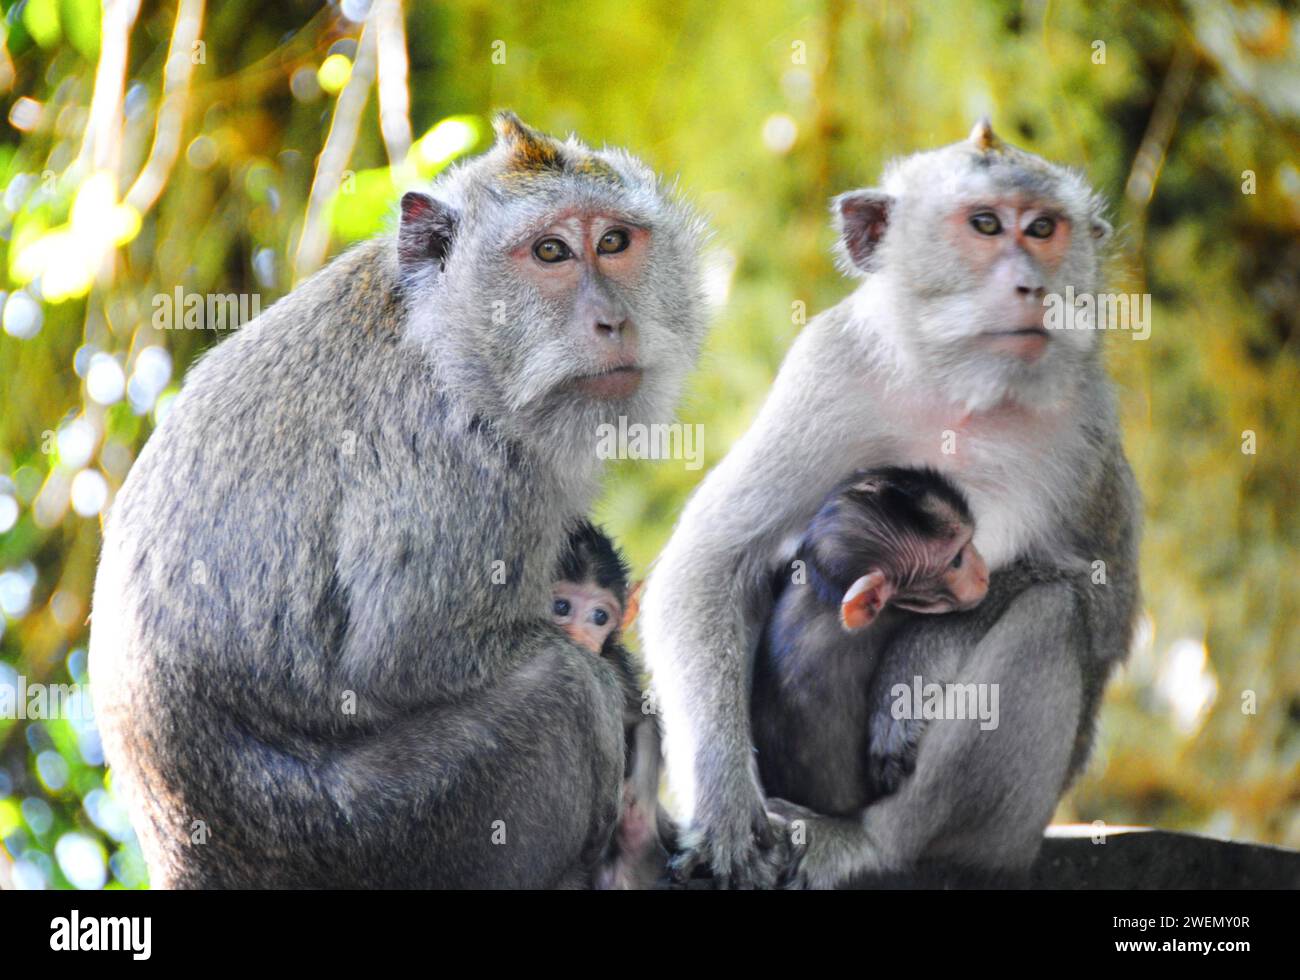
(592, 603)
(888, 544)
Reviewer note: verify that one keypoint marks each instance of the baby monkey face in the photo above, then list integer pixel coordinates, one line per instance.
(946, 578)
(909, 537)
(587, 612)
(959, 584)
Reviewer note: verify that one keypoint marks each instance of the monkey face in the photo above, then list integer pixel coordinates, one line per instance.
(975, 242)
(1013, 246)
(907, 535)
(568, 292)
(960, 584)
(587, 612)
(588, 265)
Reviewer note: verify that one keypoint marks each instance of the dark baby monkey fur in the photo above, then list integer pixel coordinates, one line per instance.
(887, 545)
(638, 852)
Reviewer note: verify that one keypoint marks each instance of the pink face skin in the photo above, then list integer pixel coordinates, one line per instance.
(1014, 245)
(962, 584)
(583, 257)
(588, 613)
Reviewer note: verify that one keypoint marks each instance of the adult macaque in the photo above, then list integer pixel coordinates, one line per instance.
(940, 358)
(321, 650)
(591, 601)
(889, 544)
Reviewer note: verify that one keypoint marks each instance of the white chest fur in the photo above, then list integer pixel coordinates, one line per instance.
(1012, 463)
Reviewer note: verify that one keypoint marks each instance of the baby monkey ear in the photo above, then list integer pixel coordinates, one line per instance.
(864, 600)
(633, 605)
(861, 218)
(425, 233)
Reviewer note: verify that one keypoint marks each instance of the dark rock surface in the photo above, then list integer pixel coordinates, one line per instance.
(1139, 859)
(1130, 859)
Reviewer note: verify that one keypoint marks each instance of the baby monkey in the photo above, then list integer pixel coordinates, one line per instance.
(591, 601)
(887, 544)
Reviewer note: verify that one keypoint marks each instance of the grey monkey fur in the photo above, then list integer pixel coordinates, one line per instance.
(320, 650)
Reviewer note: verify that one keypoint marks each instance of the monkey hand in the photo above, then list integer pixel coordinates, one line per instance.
(755, 853)
(831, 851)
(892, 746)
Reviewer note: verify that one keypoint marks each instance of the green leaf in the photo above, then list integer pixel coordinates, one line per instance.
(81, 22)
(41, 18)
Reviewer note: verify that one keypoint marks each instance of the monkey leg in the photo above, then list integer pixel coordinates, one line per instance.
(978, 799)
(514, 785)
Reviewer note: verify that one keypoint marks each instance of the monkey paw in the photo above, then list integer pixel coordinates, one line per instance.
(891, 753)
(831, 851)
(757, 853)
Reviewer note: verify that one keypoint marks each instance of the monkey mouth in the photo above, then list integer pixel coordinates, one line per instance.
(924, 605)
(619, 382)
(1033, 330)
(1025, 342)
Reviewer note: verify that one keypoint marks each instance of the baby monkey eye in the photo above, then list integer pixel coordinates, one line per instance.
(600, 617)
(986, 223)
(956, 562)
(1041, 228)
(614, 240)
(560, 607)
(551, 250)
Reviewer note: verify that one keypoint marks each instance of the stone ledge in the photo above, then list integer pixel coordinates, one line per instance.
(1140, 858)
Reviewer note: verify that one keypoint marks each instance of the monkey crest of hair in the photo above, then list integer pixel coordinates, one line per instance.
(493, 337)
(591, 555)
(983, 138)
(534, 156)
(915, 220)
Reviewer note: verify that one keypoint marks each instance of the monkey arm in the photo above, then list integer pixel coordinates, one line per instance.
(709, 593)
(977, 798)
(501, 737)
(513, 785)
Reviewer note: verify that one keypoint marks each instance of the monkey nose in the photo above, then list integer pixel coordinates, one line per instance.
(612, 331)
(1032, 292)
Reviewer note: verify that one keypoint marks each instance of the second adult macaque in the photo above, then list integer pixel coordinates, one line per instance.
(941, 357)
(889, 544)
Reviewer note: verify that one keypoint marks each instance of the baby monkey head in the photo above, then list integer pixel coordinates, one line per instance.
(899, 537)
(967, 245)
(554, 286)
(591, 600)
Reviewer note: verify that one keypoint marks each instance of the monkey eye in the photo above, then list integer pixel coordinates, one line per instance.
(986, 223)
(561, 607)
(600, 617)
(614, 240)
(1041, 228)
(551, 250)
(956, 562)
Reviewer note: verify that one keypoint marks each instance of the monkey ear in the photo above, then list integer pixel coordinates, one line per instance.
(861, 218)
(426, 231)
(633, 605)
(864, 600)
(1101, 229)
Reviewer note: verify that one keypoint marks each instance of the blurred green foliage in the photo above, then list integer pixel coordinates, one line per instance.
(1185, 114)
